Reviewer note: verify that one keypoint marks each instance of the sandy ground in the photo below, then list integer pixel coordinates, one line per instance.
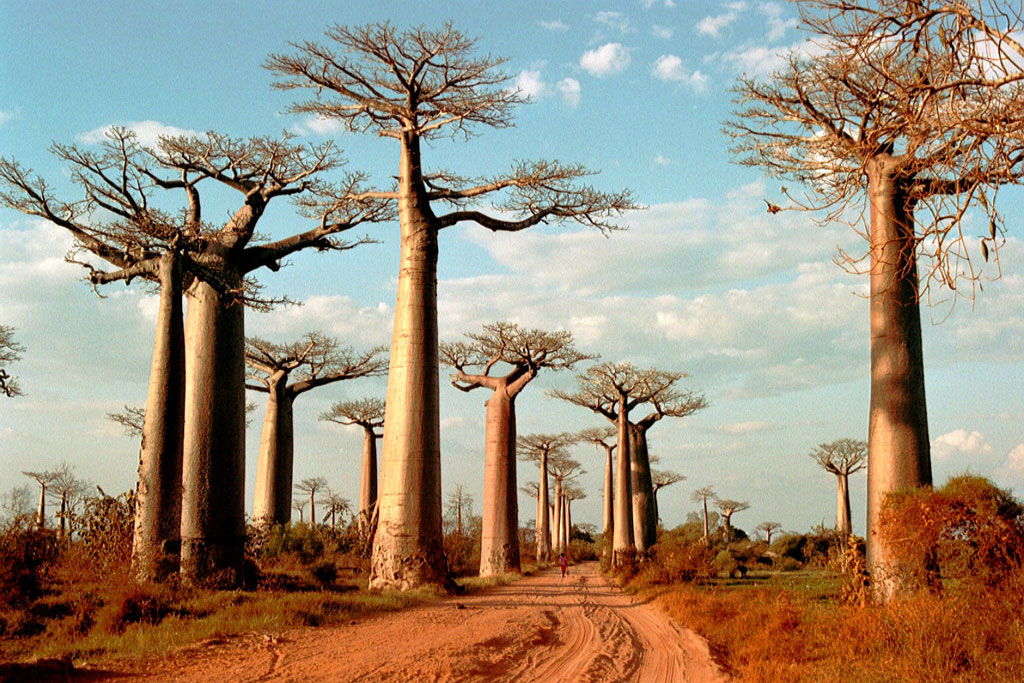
(542, 628)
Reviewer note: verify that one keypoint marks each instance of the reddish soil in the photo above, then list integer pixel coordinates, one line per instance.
(542, 628)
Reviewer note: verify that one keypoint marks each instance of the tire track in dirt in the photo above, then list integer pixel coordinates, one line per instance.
(541, 628)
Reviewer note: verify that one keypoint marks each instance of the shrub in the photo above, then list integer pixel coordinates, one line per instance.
(968, 530)
(107, 525)
(27, 558)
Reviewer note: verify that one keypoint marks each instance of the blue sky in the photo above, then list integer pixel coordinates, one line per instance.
(750, 305)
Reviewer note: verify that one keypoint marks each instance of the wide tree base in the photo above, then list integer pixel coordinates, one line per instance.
(426, 567)
(503, 560)
(213, 563)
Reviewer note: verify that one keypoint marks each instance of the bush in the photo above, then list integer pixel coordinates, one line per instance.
(27, 558)
(107, 526)
(673, 560)
(968, 530)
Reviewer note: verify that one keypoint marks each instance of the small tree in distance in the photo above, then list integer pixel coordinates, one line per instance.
(768, 528)
(728, 508)
(842, 458)
(368, 413)
(702, 495)
(10, 351)
(311, 486)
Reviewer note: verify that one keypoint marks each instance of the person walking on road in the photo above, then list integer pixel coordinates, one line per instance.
(563, 563)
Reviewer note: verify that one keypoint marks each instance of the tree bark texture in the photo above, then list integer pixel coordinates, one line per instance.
(368, 478)
(543, 517)
(844, 524)
(275, 468)
(499, 544)
(559, 509)
(609, 496)
(156, 541)
(623, 547)
(898, 447)
(407, 548)
(41, 508)
(645, 518)
(213, 481)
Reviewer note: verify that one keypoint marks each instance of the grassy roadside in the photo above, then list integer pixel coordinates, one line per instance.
(116, 620)
(792, 627)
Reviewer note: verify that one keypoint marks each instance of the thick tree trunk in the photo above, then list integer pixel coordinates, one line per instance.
(156, 541)
(407, 548)
(844, 525)
(41, 508)
(645, 519)
(368, 478)
(558, 518)
(275, 468)
(543, 517)
(898, 447)
(213, 481)
(566, 524)
(727, 527)
(609, 497)
(499, 544)
(623, 548)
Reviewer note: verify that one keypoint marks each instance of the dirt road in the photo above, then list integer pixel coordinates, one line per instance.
(542, 628)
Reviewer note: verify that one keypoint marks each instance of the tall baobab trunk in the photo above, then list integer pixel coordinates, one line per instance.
(559, 508)
(213, 481)
(645, 517)
(623, 548)
(609, 497)
(727, 526)
(63, 516)
(843, 522)
(553, 529)
(41, 508)
(157, 533)
(898, 447)
(566, 524)
(274, 469)
(706, 529)
(543, 517)
(407, 548)
(499, 543)
(367, 479)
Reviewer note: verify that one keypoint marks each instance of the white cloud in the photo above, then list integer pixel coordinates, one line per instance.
(662, 160)
(555, 25)
(712, 26)
(777, 24)
(958, 442)
(5, 116)
(530, 84)
(147, 132)
(670, 68)
(615, 20)
(570, 90)
(319, 125)
(762, 60)
(610, 58)
(663, 32)
(1015, 460)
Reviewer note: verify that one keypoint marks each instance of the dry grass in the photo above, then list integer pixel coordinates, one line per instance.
(799, 632)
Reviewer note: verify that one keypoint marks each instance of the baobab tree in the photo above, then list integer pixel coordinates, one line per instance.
(728, 508)
(310, 486)
(336, 506)
(917, 107)
(702, 495)
(613, 390)
(540, 449)
(459, 508)
(191, 469)
(842, 458)
(414, 85)
(571, 492)
(284, 372)
(44, 479)
(10, 351)
(564, 470)
(604, 438)
(299, 505)
(69, 491)
(368, 413)
(768, 528)
(659, 480)
(521, 353)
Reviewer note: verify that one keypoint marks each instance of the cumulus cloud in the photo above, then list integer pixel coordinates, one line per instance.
(147, 132)
(778, 24)
(670, 68)
(569, 88)
(555, 25)
(530, 84)
(663, 32)
(319, 125)
(959, 442)
(661, 160)
(5, 116)
(609, 59)
(713, 25)
(1015, 461)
